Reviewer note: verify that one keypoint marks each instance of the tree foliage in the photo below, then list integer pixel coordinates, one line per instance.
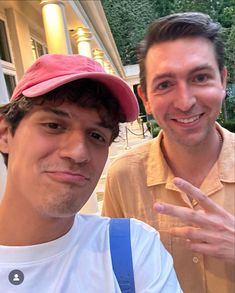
(129, 20)
(229, 53)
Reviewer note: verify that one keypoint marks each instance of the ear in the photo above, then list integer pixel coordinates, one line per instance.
(144, 99)
(4, 131)
(224, 80)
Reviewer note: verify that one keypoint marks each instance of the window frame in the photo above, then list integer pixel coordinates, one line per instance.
(8, 68)
(5, 42)
(39, 42)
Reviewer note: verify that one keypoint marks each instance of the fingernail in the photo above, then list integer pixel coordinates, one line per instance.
(159, 207)
(177, 181)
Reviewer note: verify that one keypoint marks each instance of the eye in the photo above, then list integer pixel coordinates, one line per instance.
(97, 137)
(53, 125)
(164, 85)
(201, 78)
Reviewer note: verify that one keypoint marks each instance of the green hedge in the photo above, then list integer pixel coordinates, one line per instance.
(230, 125)
(153, 127)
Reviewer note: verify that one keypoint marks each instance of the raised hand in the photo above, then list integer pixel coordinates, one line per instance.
(209, 230)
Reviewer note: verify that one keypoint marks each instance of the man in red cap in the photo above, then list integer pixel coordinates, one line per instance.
(54, 136)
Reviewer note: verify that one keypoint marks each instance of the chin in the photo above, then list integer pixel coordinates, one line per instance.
(63, 212)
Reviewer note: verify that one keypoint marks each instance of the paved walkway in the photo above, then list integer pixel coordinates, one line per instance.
(131, 134)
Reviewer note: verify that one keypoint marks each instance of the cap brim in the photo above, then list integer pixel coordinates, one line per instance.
(116, 85)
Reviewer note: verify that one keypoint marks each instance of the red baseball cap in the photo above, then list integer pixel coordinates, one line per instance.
(50, 71)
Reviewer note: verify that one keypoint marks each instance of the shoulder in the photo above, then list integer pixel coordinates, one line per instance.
(153, 265)
(90, 222)
(228, 136)
(226, 158)
(138, 228)
(143, 234)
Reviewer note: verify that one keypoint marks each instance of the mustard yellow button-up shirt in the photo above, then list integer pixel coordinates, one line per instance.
(141, 177)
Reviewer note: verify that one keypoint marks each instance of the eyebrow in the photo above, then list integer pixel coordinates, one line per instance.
(162, 76)
(172, 75)
(62, 113)
(56, 111)
(202, 67)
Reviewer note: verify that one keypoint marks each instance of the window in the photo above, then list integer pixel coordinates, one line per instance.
(38, 49)
(10, 83)
(7, 71)
(4, 47)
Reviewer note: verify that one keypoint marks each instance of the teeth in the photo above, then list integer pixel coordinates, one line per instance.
(188, 120)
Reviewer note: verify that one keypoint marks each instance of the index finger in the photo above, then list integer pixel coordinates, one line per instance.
(187, 215)
(194, 193)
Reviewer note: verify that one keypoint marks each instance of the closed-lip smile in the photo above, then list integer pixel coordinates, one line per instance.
(66, 176)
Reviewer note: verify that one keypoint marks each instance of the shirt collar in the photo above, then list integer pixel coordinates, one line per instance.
(158, 171)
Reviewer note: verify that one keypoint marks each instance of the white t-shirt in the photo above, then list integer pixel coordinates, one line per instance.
(80, 261)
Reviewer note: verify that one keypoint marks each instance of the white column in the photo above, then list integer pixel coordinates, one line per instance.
(108, 67)
(99, 56)
(55, 24)
(83, 39)
(19, 33)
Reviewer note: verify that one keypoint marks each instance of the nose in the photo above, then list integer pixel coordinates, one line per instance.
(185, 98)
(75, 148)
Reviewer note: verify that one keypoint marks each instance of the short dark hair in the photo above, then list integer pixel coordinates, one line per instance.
(181, 25)
(85, 93)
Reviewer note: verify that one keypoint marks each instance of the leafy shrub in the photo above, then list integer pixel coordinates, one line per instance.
(230, 125)
(153, 127)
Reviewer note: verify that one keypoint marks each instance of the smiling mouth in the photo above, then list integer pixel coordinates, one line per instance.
(188, 120)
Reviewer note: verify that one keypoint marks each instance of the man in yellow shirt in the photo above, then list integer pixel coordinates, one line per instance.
(183, 84)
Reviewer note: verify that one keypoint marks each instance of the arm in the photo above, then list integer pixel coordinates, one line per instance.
(153, 265)
(210, 230)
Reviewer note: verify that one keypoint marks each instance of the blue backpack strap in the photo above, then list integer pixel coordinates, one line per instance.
(120, 247)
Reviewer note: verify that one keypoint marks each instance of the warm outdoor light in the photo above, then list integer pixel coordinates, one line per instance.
(55, 27)
(83, 38)
(98, 56)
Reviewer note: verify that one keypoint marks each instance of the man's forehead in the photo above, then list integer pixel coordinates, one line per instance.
(74, 112)
(64, 108)
(164, 54)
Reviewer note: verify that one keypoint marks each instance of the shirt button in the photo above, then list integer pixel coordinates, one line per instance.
(195, 259)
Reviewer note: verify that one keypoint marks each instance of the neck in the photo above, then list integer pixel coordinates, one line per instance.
(18, 228)
(192, 163)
